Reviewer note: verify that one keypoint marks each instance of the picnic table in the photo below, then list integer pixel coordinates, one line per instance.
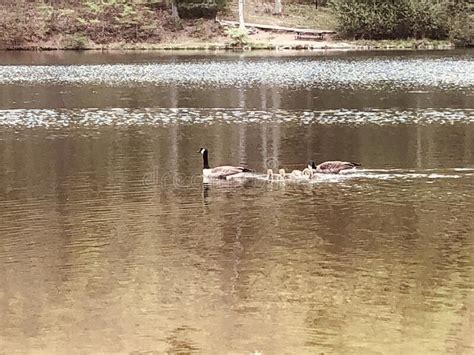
(300, 33)
(316, 35)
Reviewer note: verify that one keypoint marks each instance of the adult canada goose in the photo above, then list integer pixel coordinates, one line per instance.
(219, 172)
(332, 167)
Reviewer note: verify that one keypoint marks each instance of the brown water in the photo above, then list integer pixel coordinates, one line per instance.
(111, 243)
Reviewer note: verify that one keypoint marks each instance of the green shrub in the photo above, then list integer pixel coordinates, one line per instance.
(192, 9)
(74, 42)
(388, 19)
(239, 36)
(427, 18)
(461, 19)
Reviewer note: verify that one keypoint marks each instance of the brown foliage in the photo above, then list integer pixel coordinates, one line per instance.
(20, 23)
(28, 23)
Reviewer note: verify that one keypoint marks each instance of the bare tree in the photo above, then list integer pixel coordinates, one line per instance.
(241, 15)
(174, 9)
(277, 9)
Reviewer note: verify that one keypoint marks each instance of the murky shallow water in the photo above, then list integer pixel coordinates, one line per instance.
(109, 241)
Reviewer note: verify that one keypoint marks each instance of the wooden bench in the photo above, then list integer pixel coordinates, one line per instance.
(301, 33)
(310, 36)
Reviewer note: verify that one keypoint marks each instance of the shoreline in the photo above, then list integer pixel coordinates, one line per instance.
(359, 45)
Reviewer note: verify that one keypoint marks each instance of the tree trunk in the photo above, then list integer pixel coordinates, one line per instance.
(277, 9)
(174, 10)
(241, 15)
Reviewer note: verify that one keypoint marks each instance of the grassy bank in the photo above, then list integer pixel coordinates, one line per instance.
(116, 24)
(275, 44)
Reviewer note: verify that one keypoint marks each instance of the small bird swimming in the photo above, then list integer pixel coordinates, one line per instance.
(306, 174)
(273, 176)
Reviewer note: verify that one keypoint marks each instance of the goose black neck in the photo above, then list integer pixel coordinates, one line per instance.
(205, 160)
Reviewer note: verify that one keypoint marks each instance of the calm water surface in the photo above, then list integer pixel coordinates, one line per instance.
(111, 243)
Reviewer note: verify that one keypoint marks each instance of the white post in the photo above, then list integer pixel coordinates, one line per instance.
(241, 15)
(277, 9)
(174, 10)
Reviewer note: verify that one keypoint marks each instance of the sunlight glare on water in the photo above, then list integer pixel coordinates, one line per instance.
(53, 118)
(336, 73)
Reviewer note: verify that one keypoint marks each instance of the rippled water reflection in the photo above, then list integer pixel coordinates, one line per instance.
(120, 117)
(328, 73)
(110, 242)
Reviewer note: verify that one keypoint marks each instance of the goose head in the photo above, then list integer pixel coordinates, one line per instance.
(311, 165)
(282, 173)
(205, 157)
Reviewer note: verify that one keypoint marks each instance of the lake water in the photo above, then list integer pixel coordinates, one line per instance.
(111, 243)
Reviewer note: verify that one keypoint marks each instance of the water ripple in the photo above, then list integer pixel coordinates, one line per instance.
(335, 73)
(91, 117)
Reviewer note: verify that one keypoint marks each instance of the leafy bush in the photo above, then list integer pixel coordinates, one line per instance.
(427, 18)
(200, 8)
(239, 36)
(461, 21)
(74, 42)
(386, 19)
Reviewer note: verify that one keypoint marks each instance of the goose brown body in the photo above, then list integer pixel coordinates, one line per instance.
(219, 172)
(332, 167)
(222, 172)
